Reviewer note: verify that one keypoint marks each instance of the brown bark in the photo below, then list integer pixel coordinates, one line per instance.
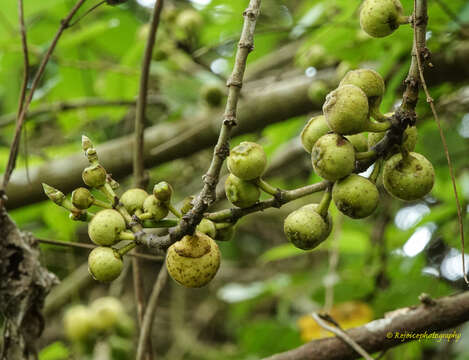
(434, 316)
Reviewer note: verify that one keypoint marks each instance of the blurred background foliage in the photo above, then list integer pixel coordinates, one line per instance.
(259, 302)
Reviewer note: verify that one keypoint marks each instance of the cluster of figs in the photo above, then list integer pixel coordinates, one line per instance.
(336, 140)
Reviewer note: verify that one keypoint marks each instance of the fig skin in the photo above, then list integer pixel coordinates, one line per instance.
(94, 176)
(194, 260)
(104, 264)
(247, 160)
(105, 227)
(207, 227)
(369, 81)
(346, 110)
(306, 228)
(241, 193)
(82, 198)
(107, 312)
(153, 206)
(355, 196)
(316, 127)
(78, 323)
(409, 178)
(133, 200)
(333, 157)
(359, 142)
(380, 18)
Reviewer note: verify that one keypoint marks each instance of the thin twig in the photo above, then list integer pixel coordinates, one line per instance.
(91, 247)
(24, 44)
(208, 194)
(420, 54)
(150, 312)
(140, 180)
(62, 106)
(341, 335)
(24, 109)
(138, 164)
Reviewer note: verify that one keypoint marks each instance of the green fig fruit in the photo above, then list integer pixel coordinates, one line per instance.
(207, 227)
(369, 81)
(315, 128)
(133, 199)
(189, 20)
(305, 228)
(106, 312)
(247, 160)
(163, 191)
(94, 176)
(78, 323)
(409, 178)
(347, 111)
(194, 260)
(212, 94)
(82, 198)
(155, 207)
(379, 18)
(355, 196)
(241, 193)
(317, 91)
(359, 142)
(105, 227)
(333, 157)
(104, 264)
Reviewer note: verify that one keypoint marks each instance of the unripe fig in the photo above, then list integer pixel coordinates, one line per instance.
(106, 312)
(78, 322)
(212, 94)
(94, 176)
(207, 227)
(194, 260)
(133, 199)
(355, 196)
(408, 178)
(358, 141)
(313, 55)
(317, 91)
(82, 198)
(241, 193)
(327, 219)
(379, 18)
(155, 207)
(189, 20)
(347, 112)
(369, 81)
(305, 228)
(315, 128)
(333, 157)
(226, 234)
(187, 205)
(104, 264)
(105, 227)
(163, 191)
(247, 160)
(409, 138)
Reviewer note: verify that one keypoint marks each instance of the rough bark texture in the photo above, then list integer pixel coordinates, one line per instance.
(438, 315)
(25, 284)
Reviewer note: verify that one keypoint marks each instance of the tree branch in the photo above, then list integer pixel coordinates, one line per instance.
(208, 194)
(60, 106)
(140, 178)
(377, 335)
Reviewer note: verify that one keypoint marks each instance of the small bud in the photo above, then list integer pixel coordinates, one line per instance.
(53, 194)
(82, 198)
(86, 143)
(94, 176)
(187, 205)
(163, 191)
